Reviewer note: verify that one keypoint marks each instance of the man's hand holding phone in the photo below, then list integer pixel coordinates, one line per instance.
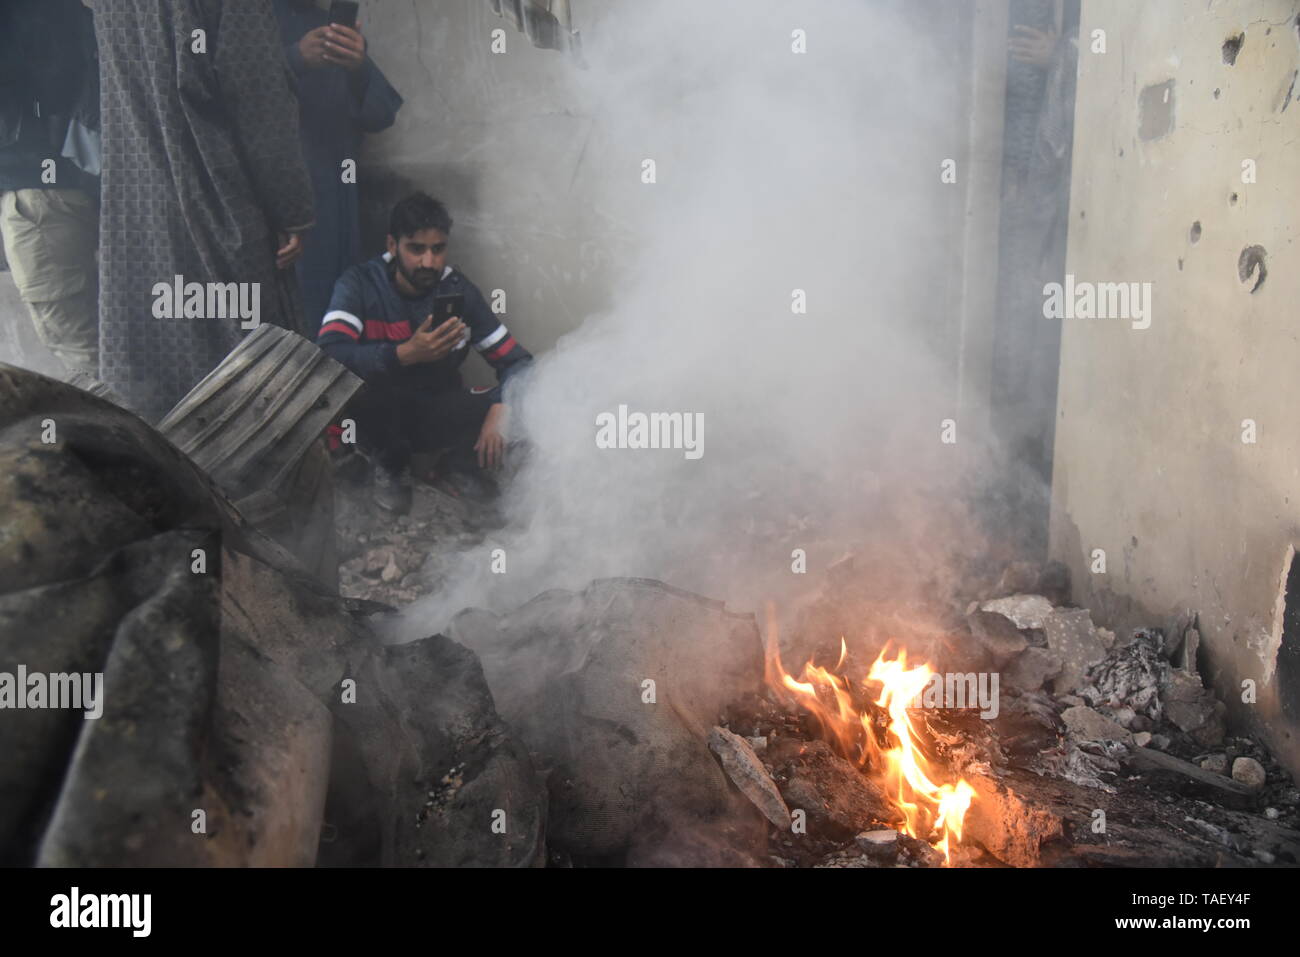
(334, 44)
(430, 344)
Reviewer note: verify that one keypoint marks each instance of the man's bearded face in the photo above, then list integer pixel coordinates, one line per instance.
(420, 258)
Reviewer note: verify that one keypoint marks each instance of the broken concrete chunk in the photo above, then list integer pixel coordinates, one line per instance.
(1181, 641)
(1249, 772)
(1011, 829)
(882, 844)
(1023, 611)
(999, 636)
(567, 669)
(748, 774)
(833, 792)
(1218, 763)
(1087, 725)
(377, 559)
(1124, 716)
(1142, 738)
(1191, 645)
(1071, 635)
(1030, 670)
(1193, 708)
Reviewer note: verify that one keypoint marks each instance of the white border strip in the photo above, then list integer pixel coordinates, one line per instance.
(492, 339)
(347, 317)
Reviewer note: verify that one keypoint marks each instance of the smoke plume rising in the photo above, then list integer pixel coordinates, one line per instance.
(775, 171)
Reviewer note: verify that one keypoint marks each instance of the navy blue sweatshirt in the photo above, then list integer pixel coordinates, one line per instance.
(368, 317)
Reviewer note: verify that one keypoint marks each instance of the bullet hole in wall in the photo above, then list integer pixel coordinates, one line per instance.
(1231, 47)
(1232, 199)
(1194, 234)
(1251, 260)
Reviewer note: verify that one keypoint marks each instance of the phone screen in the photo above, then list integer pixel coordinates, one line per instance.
(344, 12)
(444, 307)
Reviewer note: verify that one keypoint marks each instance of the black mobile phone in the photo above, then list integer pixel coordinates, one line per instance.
(344, 12)
(446, 306)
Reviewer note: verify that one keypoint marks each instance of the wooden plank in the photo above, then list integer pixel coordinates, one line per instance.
(1190, 779)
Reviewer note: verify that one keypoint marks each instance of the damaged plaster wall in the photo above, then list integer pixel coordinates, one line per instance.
(511, 145)
(533, 157)
(779, 173)
(1152, 463)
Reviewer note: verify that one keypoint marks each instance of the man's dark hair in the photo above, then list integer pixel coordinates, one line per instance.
(418, 211)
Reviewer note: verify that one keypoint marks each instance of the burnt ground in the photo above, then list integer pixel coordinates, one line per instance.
(398, 559)
(1049, 795)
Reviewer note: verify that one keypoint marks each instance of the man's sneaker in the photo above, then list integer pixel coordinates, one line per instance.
(392, 490)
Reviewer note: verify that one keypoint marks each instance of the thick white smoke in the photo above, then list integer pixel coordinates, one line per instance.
(775, 171)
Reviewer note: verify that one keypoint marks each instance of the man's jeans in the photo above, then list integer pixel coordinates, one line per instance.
(50, 237)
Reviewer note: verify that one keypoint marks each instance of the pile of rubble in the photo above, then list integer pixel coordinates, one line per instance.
(1107, 751)
(1128, 715)
(398, 559)
(1089, 720)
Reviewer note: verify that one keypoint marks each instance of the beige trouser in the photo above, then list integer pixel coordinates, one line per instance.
(50, 237)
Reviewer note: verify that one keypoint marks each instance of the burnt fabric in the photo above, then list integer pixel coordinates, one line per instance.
(202, 168)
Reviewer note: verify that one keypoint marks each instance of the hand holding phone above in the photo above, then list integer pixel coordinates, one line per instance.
(429, 343)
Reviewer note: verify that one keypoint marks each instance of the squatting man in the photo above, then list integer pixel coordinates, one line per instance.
(384, 324)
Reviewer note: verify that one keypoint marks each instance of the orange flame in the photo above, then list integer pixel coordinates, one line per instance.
(930, 811)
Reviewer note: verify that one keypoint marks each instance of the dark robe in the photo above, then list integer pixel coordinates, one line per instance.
(337, 108)
(202, 168)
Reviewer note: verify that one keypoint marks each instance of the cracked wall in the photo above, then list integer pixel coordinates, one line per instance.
(1185, 176)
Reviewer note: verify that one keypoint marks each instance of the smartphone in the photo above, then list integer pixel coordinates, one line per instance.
(446, 306)
(344, 12)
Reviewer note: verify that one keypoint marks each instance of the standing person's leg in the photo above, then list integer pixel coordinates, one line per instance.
(50, 237)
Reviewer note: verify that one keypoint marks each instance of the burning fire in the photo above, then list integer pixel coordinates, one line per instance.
(928, 808)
